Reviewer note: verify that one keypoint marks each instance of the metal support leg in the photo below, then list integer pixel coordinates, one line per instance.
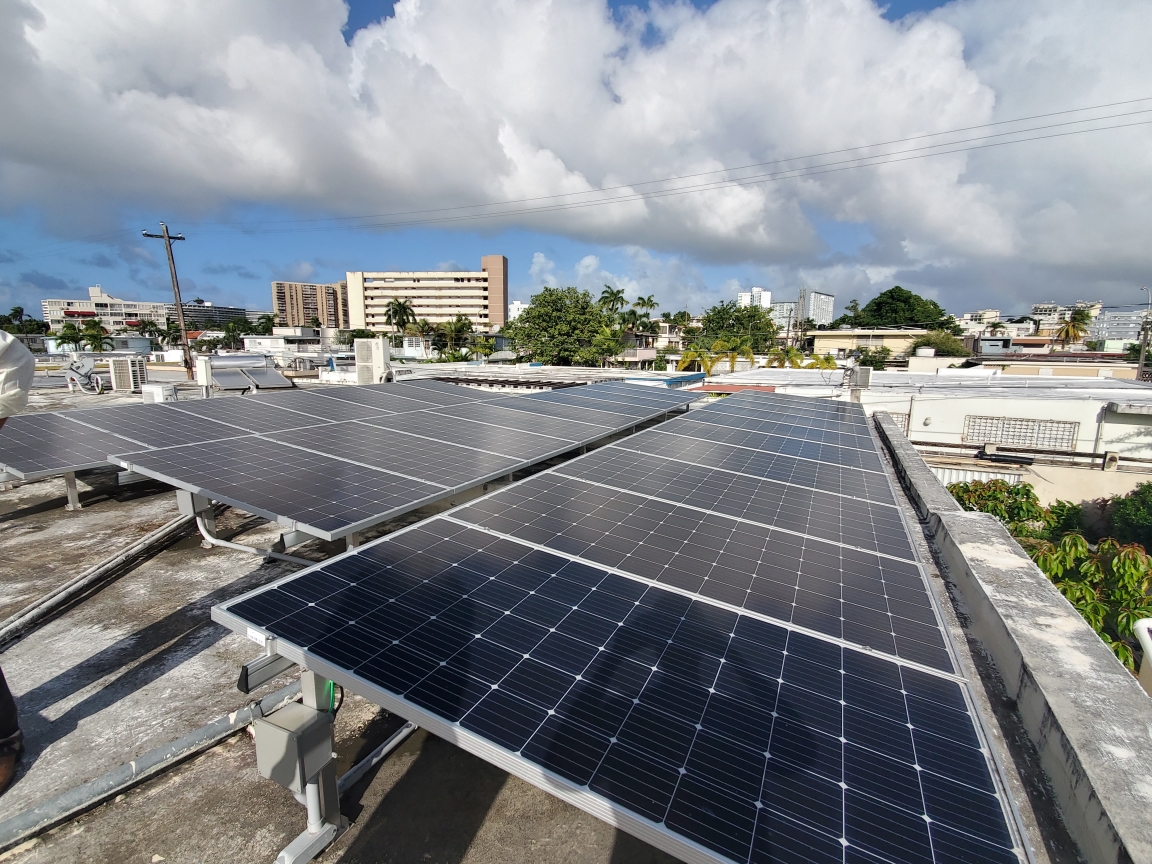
(351, 541)
(73, 492)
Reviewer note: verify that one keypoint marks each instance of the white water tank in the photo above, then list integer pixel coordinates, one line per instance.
(925, 352)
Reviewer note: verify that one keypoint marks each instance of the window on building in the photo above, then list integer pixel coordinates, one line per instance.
(1021, 432)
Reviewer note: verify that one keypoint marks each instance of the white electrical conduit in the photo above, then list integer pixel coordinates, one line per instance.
(1143, 631)
(240, 547)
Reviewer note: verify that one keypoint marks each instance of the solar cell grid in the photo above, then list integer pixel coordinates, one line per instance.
(439, 393)
(741, 737)
(153, 425)
(40, 445)
(497, 439)
(497, 415)
(787, 428)
(331, 497)
(675, 441)
(565, 413)
(580, 395)
(574, 406)
(250, 415)
(384, 396)
(818, 514)
(796, 414)
(448, 465)
(319, 407)
(843, 592)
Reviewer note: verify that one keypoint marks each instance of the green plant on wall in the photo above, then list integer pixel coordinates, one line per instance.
(1108, 586)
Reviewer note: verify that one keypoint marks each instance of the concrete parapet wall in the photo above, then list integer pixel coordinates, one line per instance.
(1087, 717)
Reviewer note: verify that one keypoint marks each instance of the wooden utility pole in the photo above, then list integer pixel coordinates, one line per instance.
(184, 346)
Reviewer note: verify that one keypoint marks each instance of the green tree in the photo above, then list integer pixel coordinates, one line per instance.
(560, 328)
(70, 336)
(608, 343)
(17, 317)
(349, 337)
(1074, 328)
(703, 354)
(1132, 516)
(171, 335)
(235, 331)
(398, 314)
(788, 356)
(874, 358)
(825, 362)
(612, 300)
(264, 325)
(454, 335)
(897, 307)
(646, 305)
(95, 336)
(728, 320)
(736, 347)
(945, 343)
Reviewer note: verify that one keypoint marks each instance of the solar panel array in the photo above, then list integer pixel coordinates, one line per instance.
(688, 651)
(334, 460)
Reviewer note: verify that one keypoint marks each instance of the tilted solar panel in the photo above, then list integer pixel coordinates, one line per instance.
(715, 735)
(33, 446)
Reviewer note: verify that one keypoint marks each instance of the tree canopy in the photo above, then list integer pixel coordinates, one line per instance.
(729, 321)
(561, 327)
(945, 343)
(898, 307)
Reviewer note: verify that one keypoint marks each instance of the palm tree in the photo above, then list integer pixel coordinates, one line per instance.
(612, 300)
(70, 336)
(737, 346)
(454, 334)
(789, 356)
(608, 343)
(646, 304)
(996, 327)
(264, 325)
(825, 362)
(706, 356)
(171, 335)
(399, 313)
(235, 331)
(17, 316)
(95, 336)
(1074, 328)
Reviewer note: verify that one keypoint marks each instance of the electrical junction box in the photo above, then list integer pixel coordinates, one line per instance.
(293, 745)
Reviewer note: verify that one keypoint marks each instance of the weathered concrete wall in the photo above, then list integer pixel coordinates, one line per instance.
(1087, 717)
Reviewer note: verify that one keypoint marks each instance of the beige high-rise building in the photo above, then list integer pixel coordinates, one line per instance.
(438, 296)
(297, 303)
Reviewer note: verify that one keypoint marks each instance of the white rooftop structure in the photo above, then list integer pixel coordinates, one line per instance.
(756, 297)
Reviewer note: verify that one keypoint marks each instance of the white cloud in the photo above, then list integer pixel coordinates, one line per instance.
(125, 103)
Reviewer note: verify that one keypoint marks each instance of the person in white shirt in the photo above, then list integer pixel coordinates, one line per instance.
(16, 369)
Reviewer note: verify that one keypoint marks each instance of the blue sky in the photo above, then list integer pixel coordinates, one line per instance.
(260, 113)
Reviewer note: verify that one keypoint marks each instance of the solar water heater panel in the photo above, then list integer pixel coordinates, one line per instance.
(267, 378)
(232, 379)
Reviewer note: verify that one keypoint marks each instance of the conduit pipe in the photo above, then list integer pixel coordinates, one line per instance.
(240, 547)
(79, 799)
(350, 777)
(35, 612)
(1143, 631)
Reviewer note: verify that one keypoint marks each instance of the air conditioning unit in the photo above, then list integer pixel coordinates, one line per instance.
(128, 373)
(158, 393)
(860, 377)
(372, 356)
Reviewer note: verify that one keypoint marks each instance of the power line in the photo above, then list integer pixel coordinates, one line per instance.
(770, 177)
(783, 174)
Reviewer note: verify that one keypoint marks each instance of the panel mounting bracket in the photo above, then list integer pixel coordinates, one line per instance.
(262, 670)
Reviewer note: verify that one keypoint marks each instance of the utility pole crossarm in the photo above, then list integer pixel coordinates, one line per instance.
(184, 346)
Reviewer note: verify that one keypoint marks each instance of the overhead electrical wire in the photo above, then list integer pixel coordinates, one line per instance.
(798, 172)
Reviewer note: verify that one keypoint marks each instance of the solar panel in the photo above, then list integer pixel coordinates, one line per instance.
(439, 393)
(153, 425)
(517, 443)
(388, 397)
(544, 407)
(231, 379)
(267, 378)
(325, 496)
(319, 407)
(278, 473)
(248, 414)
(717, 735)
(449, 465)
(33, 446)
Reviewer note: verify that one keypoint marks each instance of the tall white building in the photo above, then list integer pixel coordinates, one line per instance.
(783, 314)
(1051, 314)
(818, 307)
(515, 308)
(755, 297)
(481, 295)
(1119, 328)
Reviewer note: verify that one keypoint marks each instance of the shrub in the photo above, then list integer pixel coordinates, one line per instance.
(946, 344)
(1015, 505)
(1108, 586)
(1132, 516)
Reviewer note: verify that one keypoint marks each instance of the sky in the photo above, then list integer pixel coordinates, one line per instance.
(304, 138)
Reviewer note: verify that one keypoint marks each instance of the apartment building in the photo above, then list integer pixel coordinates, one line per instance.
(112, 312)
(297, 304)
(817, 306)
(1050, 315)
(438, 296)
(755, 297)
